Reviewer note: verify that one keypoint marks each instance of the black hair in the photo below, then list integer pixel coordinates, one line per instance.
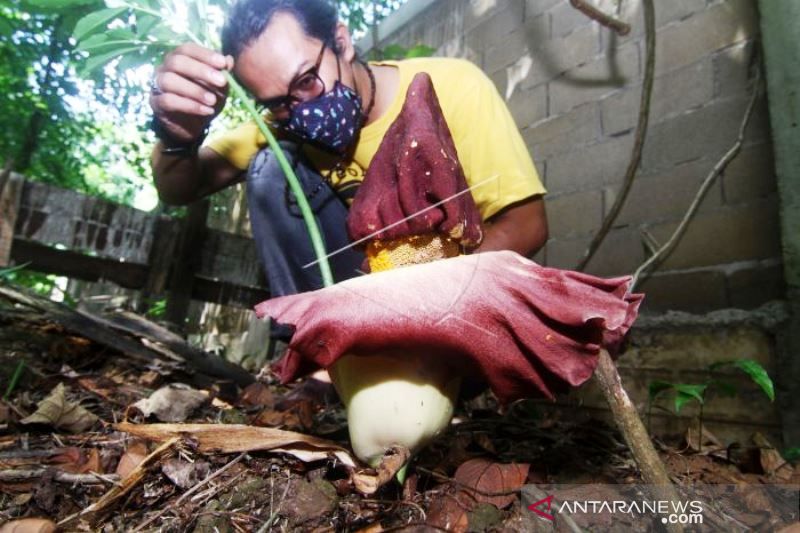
(247, 20)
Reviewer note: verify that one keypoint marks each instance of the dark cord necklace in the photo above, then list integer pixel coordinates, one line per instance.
(371, 91)
(339, 168)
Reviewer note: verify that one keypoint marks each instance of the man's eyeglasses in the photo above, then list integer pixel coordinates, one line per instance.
(303, 88)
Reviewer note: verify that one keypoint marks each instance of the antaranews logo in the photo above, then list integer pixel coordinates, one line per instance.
(535, 507)
(670, 512)
(699, 506)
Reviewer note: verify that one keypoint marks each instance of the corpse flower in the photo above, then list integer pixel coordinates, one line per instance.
(399, 341)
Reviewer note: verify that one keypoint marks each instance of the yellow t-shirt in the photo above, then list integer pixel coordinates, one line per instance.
(495, 159)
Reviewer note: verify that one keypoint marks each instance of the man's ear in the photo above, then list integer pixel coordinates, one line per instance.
(344, 43)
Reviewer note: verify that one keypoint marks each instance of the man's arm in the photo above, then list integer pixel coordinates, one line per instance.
(183, 179)
(521, 227)
(189, 90)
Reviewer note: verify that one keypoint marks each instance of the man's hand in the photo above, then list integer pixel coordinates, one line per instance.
(190, 90)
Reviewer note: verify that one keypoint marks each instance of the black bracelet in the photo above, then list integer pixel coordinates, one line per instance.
(173, 146)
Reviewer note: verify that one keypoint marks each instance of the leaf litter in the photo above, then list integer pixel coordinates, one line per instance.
(78, 450)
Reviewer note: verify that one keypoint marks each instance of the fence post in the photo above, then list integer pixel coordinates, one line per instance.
(10, 195)
(166, 237)
(190, 245)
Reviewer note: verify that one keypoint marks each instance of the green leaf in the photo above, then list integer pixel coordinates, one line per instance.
(130, 61)
(657, 387)
(758, 374)
(695, 391)
(6, 28)
(145, 24)
(420, 50)
(102, 47)
(54, 5)
(792, 454)
(682, 398)
(96, 21)
(394, 51)
(97, 61)
(7, 273)
(163, 34)
(91, 42)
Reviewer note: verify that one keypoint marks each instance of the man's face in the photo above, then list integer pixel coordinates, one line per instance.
(281, 57)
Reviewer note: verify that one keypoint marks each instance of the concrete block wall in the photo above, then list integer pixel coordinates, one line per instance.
(574, 88)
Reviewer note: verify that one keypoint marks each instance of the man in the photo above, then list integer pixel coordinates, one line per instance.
(298, 61)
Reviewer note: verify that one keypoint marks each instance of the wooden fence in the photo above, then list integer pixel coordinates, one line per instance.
(67, 233)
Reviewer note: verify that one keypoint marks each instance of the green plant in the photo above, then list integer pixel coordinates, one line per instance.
(43, 284)
(12, 383)
(395, 51)
(157, 309)
(792, 454)
(685, 393)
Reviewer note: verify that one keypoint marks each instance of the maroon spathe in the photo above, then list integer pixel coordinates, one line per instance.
(527, 330)
(413, 183)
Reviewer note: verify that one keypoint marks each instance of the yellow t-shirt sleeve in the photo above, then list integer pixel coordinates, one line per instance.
(239, 145)
(496, 161)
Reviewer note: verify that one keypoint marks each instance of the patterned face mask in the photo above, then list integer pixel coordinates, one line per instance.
(330, 121)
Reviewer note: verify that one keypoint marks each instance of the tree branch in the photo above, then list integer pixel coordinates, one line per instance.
(704, 187)
(641, 132)
(598, 16)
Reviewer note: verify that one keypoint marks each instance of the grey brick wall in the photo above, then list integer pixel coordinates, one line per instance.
(574, 89)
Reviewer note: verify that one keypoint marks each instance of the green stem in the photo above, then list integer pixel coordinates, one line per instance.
(14, 379)
(294, 184)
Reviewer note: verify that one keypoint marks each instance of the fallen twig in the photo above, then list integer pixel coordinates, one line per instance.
(704, 187)
(131, 481)
(598, 16)
(12, 476)
(639, 136)
(632, 429)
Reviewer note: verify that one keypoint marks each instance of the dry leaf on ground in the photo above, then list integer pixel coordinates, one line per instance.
(57, 411)
(488, 477)
(710, 442)
(172, 403)
(233, 438)
(183, 473)
(77, 461)
(369, 481)
(256, 395)
(771, 460)
(133, 456)
(447, 513)
(28, 525)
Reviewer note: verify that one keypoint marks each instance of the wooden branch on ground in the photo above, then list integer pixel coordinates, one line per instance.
(603, 19)
(107, 333)
(630, 424)
(16, 476)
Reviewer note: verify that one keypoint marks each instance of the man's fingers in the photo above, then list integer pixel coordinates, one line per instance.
(193, 69)
(174, 103)
(202, 54)
(169, 82)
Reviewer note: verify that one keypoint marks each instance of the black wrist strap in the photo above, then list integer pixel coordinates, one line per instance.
(173, 146)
